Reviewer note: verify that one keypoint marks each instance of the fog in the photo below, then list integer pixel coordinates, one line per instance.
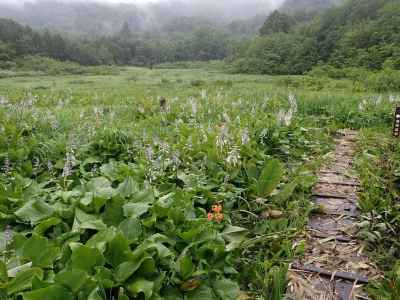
(107, 16)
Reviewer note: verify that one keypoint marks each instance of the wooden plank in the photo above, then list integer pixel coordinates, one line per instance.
(354, 277)
(339, 183)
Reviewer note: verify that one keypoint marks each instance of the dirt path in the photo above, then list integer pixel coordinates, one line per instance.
(333, 266)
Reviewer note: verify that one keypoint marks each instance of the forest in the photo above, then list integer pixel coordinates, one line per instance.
(359, 33)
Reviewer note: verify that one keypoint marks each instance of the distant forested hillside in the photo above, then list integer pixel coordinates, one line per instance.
(295, 6)
(357, 34)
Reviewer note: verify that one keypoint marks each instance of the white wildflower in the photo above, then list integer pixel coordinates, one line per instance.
(175, 159)
(8, 234)
(227, 119)
(3, 100)
(203, 94)
(222, 137)
(293, 103)
(362, 106)
(245, 136)
(164, 147)
(233, 157)
(285, 118)
(149, 152)
(392, 98)
(69, 164)
(193, 103)
(6, 165)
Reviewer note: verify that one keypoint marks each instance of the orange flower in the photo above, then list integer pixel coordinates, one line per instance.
(219, 217)
(217, 208)
(210, 216)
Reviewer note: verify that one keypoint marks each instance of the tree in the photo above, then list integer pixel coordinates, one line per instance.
(277, 22)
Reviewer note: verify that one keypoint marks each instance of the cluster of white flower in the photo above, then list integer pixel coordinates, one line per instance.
(3, 100)
(226, 117)
(285, 117)
(363, 105)
(203, 94)
(69, 163)
(164, 147)
(54, 124)
(6, 165)
(245, 136)
(394, 98)
(8, 234)
(193, 103)
(293, 103)
(222, 136)
(149, 152)
(233, 157)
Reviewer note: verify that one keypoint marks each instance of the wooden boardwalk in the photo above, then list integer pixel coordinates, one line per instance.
(334, 266)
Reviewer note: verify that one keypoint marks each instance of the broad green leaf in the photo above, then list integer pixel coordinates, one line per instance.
(113, 212)
(142, 286)
(234, 235)
(104, 277)
(226, 289)
(34, 211)
(41, 228)
(101, 187)
(3, 272)
(131, 228)
(135, 210)
(128, 187)
(172, 293)
(95, 295)
(37, 250)
(87, 221)
(118, 251)
(203, 292)
(126, 269)
(54, 292)
(101, 239)
(13, 272)
(286, 192)
(73, 279)
(270, 177)
(156, 244)
(85, 258)
(184, 266)
(23, 280)
(251, 171)
(306, 181)
(144, 196)
(3, 241)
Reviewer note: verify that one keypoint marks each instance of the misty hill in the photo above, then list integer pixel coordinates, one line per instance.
(359, 33)
(96, 18)
(295, 6)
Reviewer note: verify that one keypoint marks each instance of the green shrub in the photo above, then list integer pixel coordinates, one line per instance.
(383, 81)
(51, 66)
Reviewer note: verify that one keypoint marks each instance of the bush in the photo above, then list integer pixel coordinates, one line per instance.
(327, 71)
(384, 81)
(50, 66)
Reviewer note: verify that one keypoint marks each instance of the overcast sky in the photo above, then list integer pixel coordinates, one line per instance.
(276, 2)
